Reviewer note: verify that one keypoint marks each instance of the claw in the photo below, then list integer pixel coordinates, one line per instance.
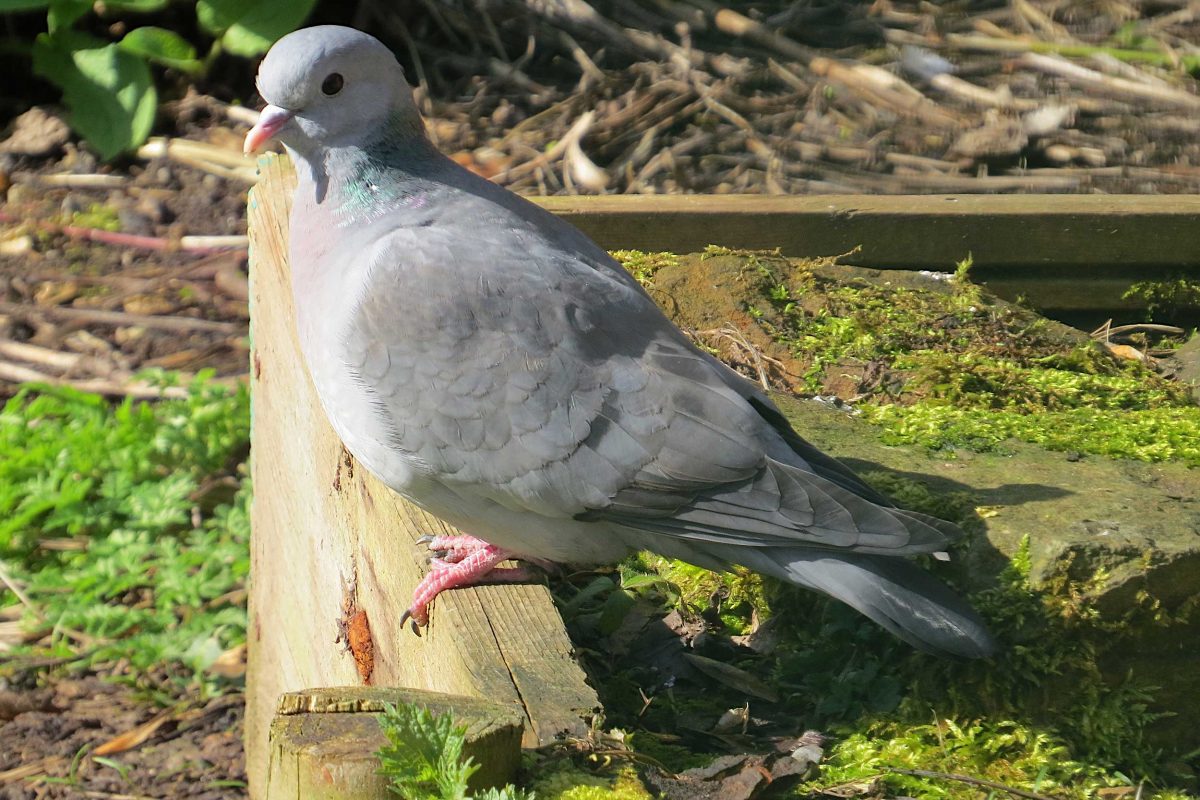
(425, 539)
(411, 618)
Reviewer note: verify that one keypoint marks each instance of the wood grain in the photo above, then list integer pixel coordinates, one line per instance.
(323, 741)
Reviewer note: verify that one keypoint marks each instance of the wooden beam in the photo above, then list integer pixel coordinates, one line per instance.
(1094, 246)
(333, 553)
(323, 741)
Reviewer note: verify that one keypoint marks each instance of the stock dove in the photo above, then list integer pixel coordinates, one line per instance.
(496, 367)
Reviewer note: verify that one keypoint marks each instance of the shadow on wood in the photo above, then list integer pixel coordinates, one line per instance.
(334, 556)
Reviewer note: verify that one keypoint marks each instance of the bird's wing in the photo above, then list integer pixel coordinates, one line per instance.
(546, 380)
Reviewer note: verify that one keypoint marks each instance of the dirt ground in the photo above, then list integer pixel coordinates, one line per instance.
(194, 752)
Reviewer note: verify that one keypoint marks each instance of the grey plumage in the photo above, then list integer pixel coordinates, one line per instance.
(492, 364)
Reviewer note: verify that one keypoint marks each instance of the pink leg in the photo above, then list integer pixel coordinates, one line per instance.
(446, 575)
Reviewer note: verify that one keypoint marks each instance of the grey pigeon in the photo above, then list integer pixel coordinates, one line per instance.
(496, 367)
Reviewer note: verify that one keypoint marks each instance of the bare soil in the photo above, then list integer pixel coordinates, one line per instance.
(194, 753)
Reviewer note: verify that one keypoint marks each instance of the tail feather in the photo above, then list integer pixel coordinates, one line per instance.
(894, 592)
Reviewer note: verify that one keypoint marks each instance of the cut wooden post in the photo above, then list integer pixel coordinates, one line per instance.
(334, 558)
(323, 741)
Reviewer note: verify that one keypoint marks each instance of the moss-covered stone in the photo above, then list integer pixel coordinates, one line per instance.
(1019, 427)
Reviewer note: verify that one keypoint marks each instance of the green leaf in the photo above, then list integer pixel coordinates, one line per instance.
(9, 6)
(424, 760)
(63, 13)
(162, 47)
(109, 91)
(249, 27)
(136, 6)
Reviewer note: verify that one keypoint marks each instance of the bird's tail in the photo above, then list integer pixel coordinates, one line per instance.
(894, 592)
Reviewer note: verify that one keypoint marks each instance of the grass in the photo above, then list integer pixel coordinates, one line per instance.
(128, 526)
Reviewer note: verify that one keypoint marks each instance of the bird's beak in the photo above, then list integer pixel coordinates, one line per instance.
(269, 122)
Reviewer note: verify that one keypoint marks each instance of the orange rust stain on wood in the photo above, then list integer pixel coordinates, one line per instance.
(361, 645)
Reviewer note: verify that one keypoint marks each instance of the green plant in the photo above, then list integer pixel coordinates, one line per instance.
(148, 505)
(424, 757)
(108, 85)
(1165, 297)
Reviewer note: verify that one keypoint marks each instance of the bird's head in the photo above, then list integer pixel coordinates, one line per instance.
(330, 86)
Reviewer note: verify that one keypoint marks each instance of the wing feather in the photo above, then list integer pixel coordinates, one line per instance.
(556, 386)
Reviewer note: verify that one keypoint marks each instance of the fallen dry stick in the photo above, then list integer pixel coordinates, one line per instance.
(209, 158)
(899, 97)
(192, 244)
(102, 317)
(15, 373)
(1120, 88)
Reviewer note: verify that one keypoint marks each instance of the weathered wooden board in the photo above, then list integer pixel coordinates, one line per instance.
(323, 741)
(1060, 251)
(333, 551)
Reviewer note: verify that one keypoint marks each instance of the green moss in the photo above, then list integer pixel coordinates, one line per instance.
(1156, 434)
(643, 265)
(1166, 296)
(1074, 379)
(610, 782)
(1010, 753)
(942, 365)
(729, 597)
(1039, 714)
(99, 216)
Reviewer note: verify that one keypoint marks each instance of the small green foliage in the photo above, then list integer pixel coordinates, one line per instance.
(643, 265)
(572, 784)
(74, 465)
(99, 216)
(726, 596)
(424, 758)
(108, 85)
(962, 272)
(1165, 297)
(109, 90)
(159, 529)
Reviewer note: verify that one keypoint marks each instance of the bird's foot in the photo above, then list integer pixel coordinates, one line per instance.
(452, 549)
(479, 563)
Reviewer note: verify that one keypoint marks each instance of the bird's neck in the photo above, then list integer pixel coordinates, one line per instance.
(359, 183)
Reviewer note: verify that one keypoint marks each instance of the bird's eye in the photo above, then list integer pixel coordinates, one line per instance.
(332, 84)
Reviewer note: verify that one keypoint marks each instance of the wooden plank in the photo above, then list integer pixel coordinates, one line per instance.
(1097, 244)
(333, 551)
(323, 741)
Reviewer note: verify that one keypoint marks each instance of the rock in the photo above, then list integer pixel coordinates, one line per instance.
(37, 133)
(1129, 531)
(998, 138)
(135, 222)
(1117, 536)
(1184, 365)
